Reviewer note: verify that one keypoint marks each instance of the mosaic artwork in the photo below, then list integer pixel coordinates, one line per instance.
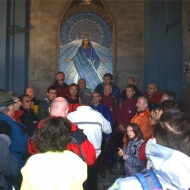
(86, 43)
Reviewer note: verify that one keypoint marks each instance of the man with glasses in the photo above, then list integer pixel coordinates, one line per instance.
(29, 117)
(153, 95)
(43, 111)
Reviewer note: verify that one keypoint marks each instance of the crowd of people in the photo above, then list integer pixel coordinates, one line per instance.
(59, 142)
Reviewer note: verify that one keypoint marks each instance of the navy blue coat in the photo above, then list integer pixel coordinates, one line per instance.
(115, 91)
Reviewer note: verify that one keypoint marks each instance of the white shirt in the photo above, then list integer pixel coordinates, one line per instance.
(92, 123)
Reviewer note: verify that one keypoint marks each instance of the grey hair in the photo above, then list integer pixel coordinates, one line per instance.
(86, 97)
(14, 95)
(5, 109)
(82, 79)
(145, 100)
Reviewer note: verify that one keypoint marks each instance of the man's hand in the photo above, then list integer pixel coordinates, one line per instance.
(122, 128)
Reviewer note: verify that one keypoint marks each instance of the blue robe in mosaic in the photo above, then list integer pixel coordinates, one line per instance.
(85, 63)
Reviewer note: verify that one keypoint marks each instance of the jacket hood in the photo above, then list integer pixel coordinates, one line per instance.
(6, 138)
(172, 167)
(46, 99)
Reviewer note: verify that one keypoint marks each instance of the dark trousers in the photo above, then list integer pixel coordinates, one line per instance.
(118, 140)
(91, 182)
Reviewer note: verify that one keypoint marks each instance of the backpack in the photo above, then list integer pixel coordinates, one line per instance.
(148, 180)
(109, 156)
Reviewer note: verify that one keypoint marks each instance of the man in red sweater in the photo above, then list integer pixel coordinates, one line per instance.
(125, 113)
(73, 97)
(153, 95)
(60, 85)
(109, 101)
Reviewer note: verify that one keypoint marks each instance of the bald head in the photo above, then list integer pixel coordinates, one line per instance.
(151, 89)
(30, 92)
(59, 107)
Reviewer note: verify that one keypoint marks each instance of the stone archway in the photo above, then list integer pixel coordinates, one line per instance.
(92, 18)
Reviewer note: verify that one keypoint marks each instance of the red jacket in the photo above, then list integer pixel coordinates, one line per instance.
(73, 103)
(155, 98)
(17, 115)
(111, 103)
(62, 91)
(142, 149)
(80, 145)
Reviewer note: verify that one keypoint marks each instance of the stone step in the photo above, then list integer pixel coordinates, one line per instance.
(114, 172)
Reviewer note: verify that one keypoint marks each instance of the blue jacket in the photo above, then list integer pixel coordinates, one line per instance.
(132, 163)
(19, 139)
(107, 115)
(115, 91)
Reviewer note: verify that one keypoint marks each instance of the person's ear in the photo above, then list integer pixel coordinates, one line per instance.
(67, 111)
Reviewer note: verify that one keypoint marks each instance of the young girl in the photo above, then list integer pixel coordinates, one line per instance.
(130, 153)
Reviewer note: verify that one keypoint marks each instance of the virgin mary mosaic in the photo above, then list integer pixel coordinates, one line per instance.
(86, 37)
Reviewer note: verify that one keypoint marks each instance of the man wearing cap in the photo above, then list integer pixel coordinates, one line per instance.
(15, 130)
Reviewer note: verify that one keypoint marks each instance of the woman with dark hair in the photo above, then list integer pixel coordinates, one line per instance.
(54, 167)
(130, 153)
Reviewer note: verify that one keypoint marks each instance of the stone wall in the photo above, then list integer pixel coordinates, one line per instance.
(44, 41)
(186, 54)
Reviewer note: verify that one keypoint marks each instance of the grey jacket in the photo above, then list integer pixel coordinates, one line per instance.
(4, 157)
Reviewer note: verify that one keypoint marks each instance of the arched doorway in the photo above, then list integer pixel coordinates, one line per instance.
(91, 21)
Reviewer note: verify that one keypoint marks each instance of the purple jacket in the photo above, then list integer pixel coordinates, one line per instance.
(126, 112)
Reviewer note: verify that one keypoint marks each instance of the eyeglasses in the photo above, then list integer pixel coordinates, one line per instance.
(27, 101)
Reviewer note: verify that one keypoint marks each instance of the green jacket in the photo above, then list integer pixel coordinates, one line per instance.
(43, 111)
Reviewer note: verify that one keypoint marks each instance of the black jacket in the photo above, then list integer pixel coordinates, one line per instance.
(30, 120)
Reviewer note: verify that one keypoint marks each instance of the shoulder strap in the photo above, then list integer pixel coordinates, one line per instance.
(148, 180)
(73, 140)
